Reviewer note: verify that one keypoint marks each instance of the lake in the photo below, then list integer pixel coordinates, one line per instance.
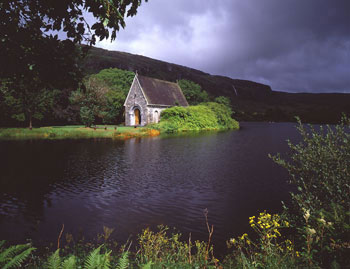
(137, 183)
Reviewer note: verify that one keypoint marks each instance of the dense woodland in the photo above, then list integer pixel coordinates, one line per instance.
(98, 99)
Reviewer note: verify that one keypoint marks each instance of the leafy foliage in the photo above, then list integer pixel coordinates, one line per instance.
(207, 116)
(223, 114)
(160, 250)
(97, 260)
(117, 79)
(54, 261)
(24, 103)
(14, 256)
(92, 100)
(319, 168)
(94, 260)
(102, 96)
(36, 59)
(193, 92)
(223, 100)
(119, 82)
(70, 263)
(124, 261)
(87, 116)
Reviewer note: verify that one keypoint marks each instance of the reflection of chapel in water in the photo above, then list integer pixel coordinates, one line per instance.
(147, 97)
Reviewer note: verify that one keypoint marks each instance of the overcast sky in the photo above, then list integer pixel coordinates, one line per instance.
(291, 45)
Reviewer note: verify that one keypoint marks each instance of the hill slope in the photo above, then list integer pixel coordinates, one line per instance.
(250, 100)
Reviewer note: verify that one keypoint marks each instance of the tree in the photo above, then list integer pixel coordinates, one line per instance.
(223, 100)
(193, 92)
(119, 82)
(91, 99)
(27, 103)
(35, 57)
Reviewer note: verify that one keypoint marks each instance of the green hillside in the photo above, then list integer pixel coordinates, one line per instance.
(251, 101)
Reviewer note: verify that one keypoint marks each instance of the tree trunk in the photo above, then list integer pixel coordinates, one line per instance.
(30, 122)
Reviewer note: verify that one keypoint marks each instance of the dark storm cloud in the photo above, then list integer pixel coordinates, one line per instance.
(292, 45)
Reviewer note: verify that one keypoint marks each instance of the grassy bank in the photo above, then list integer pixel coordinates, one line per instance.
(74, 132)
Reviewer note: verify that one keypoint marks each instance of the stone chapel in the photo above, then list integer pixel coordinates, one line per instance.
(147, 97)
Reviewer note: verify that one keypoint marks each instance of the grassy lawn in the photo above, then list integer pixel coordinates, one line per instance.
(73, 132)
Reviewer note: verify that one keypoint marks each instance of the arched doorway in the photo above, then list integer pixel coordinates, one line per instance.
(137, 116)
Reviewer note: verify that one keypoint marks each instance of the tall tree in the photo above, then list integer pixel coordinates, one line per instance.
(33, 58)
(193, 92)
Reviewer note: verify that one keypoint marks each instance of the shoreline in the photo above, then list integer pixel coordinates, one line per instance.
(75, 132)
(81, 132)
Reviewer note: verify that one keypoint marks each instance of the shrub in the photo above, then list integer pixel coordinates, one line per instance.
(223, 100)
(207, 116)
(223, 114)
(168, 251)
(319, 167)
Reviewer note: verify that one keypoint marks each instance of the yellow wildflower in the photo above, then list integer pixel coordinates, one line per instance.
(306, 214)
(322, 221)
(311, 231)
(244, 235)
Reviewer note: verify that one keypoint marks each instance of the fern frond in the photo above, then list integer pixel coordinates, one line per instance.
(93, 259)
(106, 262)
(54, 261)
(69, 263)
(123, 262)
(11, 251)
(2, 242)
(147, 265)
(16, 261)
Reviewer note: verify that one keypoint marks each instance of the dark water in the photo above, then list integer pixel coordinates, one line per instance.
(132, 184)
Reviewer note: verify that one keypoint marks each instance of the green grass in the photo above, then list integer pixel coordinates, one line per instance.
(71, 132)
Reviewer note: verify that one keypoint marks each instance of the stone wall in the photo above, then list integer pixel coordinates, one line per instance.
(154, 113)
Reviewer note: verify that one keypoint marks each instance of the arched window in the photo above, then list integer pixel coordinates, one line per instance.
(156, 116)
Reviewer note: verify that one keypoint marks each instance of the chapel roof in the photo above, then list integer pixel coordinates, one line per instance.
(160, 92)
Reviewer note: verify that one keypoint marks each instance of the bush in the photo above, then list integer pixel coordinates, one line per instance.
(223, 100)
(207, 116)
(223, 114)
(319, 168)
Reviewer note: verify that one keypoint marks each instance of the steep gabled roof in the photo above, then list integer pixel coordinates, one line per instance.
(160, 92)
